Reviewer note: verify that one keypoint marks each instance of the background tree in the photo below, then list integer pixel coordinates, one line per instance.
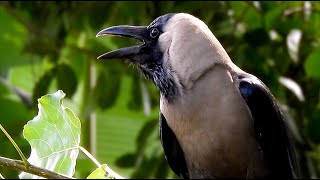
(46, 46)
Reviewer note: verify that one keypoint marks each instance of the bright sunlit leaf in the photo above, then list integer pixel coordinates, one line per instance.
(293, 42)
(54, 136)
(100, 173)
(292, 86)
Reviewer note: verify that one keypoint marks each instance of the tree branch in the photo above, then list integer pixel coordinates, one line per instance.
(19, 166)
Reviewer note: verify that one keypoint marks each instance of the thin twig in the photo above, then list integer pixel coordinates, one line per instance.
(25, 161)
(19, 166)
(89, 156)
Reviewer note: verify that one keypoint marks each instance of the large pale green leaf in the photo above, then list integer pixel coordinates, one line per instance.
(54, 136)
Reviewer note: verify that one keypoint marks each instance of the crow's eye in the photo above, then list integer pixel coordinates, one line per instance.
(154, 33)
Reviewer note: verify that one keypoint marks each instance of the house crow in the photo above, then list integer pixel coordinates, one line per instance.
(216, 120)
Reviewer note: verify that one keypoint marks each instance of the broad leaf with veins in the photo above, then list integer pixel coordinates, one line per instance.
(54, 136)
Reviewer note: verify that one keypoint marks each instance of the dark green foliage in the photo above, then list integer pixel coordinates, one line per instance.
(135, 102)
(145, 133)
(313, 127)
(251, 37)
(66, 79)
(108, 86)
(127, 160)
(42, 85)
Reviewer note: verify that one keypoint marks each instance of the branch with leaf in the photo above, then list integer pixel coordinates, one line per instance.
(54, 136)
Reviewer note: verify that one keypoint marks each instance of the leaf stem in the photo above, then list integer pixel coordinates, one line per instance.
(105, 167)
(25, 161)
(89, 156)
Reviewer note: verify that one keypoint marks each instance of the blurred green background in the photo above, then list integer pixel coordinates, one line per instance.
(46, 46)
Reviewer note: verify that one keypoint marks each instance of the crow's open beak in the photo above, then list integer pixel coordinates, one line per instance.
(136, 32)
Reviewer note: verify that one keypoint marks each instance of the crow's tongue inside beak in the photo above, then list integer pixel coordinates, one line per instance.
(137, 32)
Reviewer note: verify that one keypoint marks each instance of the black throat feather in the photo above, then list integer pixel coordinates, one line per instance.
(168, 88)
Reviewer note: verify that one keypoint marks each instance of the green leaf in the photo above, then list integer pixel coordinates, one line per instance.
(100, 173)
(12, 38)
(13, 114)
(273, 14)
(257, 37)
(283, 27)
(84, 167)
(147, 168)
(313, 126)
(146, 132)
(4, 89)
(311, 27)
(312, 64)
(126, 160)
(252, 19)
(54, 136)
(108, 86)
(163, 168)
(135, 102)
(25, 76)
